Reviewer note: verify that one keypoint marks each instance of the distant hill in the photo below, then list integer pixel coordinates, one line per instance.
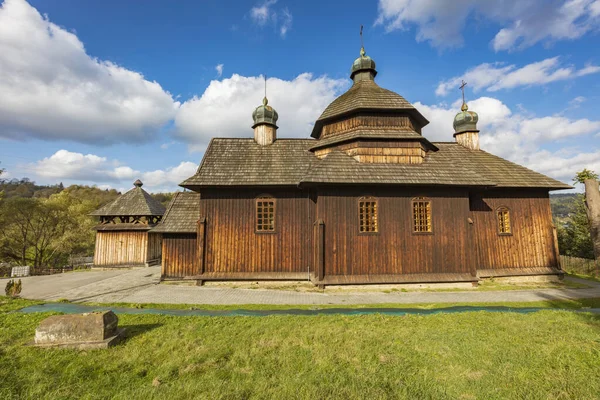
(25, 188)
(563, 204)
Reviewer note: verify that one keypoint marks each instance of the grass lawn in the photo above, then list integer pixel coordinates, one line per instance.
(476, 355)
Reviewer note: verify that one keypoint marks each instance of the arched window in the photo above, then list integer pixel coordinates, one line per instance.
(503, 217)
(265, 214)
(368, 220)
(421, 208)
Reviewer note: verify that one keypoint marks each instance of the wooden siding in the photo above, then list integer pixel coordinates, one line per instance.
(154, 246)
(179, 255)
(398, 152)
(369, 121)
(531, 243)
(395, 249)
(120, 248)
(233, 245)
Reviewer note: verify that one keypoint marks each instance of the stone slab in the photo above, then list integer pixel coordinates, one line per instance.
(103, 344)
(90, 327)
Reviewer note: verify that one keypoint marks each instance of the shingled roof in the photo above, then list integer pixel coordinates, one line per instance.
(234, 162)
(136, 202)
(182, 214)
(364, 96)
(242, 162)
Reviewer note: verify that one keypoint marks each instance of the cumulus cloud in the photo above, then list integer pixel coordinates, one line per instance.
(524, 22)
(50, 88)
(519, 137)
(497, 76)
(225, 108)
(65, 165)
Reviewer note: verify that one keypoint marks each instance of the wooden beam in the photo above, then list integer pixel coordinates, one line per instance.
(320, 249)
(200, 238)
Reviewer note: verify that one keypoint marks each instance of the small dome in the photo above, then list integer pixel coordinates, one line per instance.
(465, 120)
(138, 183)
(363, 63)
(265, 114)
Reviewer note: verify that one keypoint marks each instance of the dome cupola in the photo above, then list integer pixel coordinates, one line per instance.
(465, 120)
(265, 114)
(265, 120)
(363, 67)
(465, 125)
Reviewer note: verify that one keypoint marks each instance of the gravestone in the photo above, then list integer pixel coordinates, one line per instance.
(96, 330)
(19, 272)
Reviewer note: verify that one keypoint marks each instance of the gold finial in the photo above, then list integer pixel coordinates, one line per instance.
(362, 44)
(464, 106)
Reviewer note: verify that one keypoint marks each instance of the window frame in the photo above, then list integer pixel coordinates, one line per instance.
(257, 200)
(497, 220)
(368, 199)
(413, 219)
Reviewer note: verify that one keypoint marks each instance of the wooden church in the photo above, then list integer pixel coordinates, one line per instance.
(367, 199)
(124, 237)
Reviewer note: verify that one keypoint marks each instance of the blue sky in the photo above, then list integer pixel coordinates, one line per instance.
(105, 92)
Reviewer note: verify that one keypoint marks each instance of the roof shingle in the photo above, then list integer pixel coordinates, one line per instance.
(242, 162)
(136, 202)
(182, 214)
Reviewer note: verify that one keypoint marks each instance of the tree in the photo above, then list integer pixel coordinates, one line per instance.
(592, 205)
(574, 235)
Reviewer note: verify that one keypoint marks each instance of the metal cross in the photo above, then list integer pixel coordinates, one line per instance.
(361, 37)
(462, 87)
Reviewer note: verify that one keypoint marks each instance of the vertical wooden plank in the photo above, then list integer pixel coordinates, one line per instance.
(320, 249)
(200, 236)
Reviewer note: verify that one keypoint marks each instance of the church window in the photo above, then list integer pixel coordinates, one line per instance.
(367, 215)
(265, 214)
(504, 226)
(421, 208)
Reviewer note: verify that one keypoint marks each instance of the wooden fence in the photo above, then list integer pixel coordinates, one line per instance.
(581, 266)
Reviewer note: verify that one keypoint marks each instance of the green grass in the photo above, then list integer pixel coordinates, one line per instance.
(476, 355)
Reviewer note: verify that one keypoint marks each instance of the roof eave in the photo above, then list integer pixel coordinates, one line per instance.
(411, 111)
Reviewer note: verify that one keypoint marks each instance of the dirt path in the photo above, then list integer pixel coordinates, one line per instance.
(141, 286)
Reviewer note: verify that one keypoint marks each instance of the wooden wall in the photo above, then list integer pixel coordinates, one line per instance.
(121, 248)
(232, 245)
(531, 244)
(395, 249)
(179, 255)
(154, 246)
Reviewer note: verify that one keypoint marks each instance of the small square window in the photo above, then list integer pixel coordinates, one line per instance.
(367, 216)
(421, 215)
(504, 226)
(265, 214)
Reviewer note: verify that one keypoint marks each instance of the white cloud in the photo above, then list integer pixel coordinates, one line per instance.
(286, 22)
(261, 14)
(219, 69)
(65, 165)
(497, 76)
(524, 22)
(51, 89)
(225, 108)
(519, 137)
(264, 13)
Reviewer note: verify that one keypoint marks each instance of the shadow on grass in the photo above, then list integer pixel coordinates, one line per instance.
(132, 331)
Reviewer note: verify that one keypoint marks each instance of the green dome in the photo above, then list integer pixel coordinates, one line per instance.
(363, 63)
(265, 114)
(465, 120)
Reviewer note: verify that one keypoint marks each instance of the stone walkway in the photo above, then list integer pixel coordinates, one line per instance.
(142, 286)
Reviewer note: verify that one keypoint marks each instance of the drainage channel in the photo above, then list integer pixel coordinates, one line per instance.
(68, 308)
